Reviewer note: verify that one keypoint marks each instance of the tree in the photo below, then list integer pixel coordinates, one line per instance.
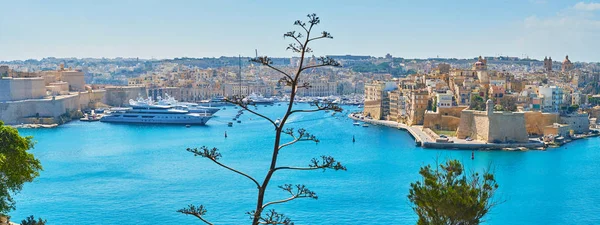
(17, 166)
(260, 215)
(447, 195)
(508, 103)
(477, 103)
(498, 107)
(573, 108)
(31, 221)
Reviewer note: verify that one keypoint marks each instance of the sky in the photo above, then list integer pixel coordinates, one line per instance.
(198, 28)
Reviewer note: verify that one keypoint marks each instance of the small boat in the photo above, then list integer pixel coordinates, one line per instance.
(239, 121)
(356, 124)
(235, 118)
(230, 124)
(90, 117)
(188, 126)
(365, 125)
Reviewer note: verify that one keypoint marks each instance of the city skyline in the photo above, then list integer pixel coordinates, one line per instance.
(464, 29)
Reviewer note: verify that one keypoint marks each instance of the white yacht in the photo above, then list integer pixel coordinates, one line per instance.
(191, 107)
(147, 112)
(258, 99)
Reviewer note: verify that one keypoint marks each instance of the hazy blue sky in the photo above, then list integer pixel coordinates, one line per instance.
(194, 28)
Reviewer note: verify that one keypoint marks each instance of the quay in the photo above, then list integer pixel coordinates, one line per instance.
(426, 138)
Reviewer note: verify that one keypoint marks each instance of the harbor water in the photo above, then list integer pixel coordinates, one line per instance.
(99, 173)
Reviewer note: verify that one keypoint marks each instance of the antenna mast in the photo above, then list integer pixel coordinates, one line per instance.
(240, 73)
(256, 74)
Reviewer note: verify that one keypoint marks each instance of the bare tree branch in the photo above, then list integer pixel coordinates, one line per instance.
(266, 61)
(303, 135)
(325, 61)
(326, 162)
(313, 19)
(239, 101)
(272, 217)
(321, 106)
(295, 36)
(301, 24)
(214, 155)
(195, 211)
(297, 191)
(289, 79)
(324, 34)
(295, 48)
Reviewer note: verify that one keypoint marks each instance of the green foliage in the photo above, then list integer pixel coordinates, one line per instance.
(433, 104)
(17, 166)
(498, 107)
(573, 108)
(593, 101)
(477, 103)
(508, 103)
(31, 221)
(447, 195)
(385, 67)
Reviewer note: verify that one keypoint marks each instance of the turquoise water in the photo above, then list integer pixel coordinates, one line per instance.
(98, 173)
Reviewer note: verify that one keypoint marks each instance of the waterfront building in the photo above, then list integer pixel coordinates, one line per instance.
(445, 100)
(553, 98)
(246, 88)
(377, 102)
(318, 88)
(43, 97)
(578, 122)
(418, 100)
(557, 129)
(120, 95)
(16, 89)
(493, 127)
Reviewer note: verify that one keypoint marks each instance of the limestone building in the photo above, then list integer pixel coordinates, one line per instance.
(493, 127)
(418, 100)
(566, 65)
(548, 64)
(16, 89)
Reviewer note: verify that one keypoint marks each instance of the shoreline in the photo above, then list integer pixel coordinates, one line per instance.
(34, 125)
(425, 140)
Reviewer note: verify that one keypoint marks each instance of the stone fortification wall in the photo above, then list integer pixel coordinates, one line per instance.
(453, 111)
(443, 119)
(372, 108)
(472, 124)
(440, 122)
(507, 127)
(14, 89)
(16, 112)
(579, 123)
(75, 79)
(120, 95)
(536, 121)
(594, 112)
(496, 127)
